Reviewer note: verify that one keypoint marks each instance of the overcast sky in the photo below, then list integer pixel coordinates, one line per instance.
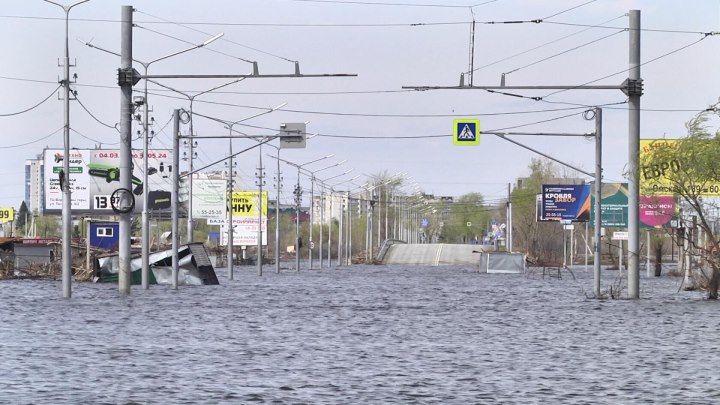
(369, 120)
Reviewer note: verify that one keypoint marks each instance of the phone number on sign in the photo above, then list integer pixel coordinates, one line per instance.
(135, 155)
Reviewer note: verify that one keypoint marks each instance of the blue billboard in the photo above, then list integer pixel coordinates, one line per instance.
(565, 202)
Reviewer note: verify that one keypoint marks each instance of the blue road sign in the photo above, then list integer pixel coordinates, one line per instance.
(466, 131)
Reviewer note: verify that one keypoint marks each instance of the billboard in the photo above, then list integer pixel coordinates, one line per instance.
(95, 175)
(656, 174)
(657, 211)
(246, 219)
(209, 199)
(565, 202)
(613, 205)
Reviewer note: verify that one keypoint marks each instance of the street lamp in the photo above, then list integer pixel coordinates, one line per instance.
(66, 204)
(298, 200)
(312, 212)
(146, 141)
(191, 144)
(325, 184)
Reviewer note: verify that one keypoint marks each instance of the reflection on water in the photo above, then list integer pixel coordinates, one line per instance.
(363, 334)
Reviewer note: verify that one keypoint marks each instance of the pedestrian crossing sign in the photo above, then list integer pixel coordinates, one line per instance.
(466, 131)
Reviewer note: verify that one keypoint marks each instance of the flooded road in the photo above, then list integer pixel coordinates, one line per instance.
(360, 334)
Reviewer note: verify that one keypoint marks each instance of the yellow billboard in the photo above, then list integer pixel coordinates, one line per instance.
(660, 171)
(7, 215)
(244, 203)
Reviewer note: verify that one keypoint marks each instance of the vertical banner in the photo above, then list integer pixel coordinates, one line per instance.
(566, 202)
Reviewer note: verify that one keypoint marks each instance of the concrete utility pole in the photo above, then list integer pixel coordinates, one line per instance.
(126, 110)
(634, 92)
(597, 245)
(65, 175)
(175, 200)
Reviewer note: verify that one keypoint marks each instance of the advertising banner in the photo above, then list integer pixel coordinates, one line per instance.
(245, 219)
(613, 206)
(209, 199)
(656, 173)
(566, 202)
(657, 211)
(95, 175)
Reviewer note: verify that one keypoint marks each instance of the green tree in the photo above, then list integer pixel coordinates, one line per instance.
(540, 240)
(47, 226)
(20, 220)
(688, 168)
(467, 219)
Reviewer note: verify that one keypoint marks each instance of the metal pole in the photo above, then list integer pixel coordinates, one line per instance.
(175, 200)
(125, 166)
(145, 272)
(647, 262)
(598, 196)
(298, 199)
(277, 216)
(322, 224)
(67, 193)
(259, 208)
(509, 241)
(191, 157)
(230, 263)
(312, 220)
(340, 233)
(330, 230)
(634, 153)
(349, 232)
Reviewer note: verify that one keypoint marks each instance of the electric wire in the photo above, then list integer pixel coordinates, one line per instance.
(33, 107)
(95, 140)
(620, 28)
(384, 137)
(190, 43)
(372, 3)
(626, 70)
(565, 52)
(568, 10)
(343, 25)
(93, 115)
(222, 39)
(544, 44)
(33, 141)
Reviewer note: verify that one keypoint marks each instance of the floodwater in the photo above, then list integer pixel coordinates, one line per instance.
(359, 335)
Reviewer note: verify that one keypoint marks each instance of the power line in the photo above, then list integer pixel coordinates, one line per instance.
(373, 3)
(545, 44)
(343, 25)
(93, 115)
(33, 107)
(564, 52)
(31, 142)
(620, 28)
(641, 64)
(570, 9)
(223, 39)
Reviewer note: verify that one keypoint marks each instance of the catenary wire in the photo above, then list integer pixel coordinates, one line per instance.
(222, 39)
(641, 64)
(565, 52)
(544, 44)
